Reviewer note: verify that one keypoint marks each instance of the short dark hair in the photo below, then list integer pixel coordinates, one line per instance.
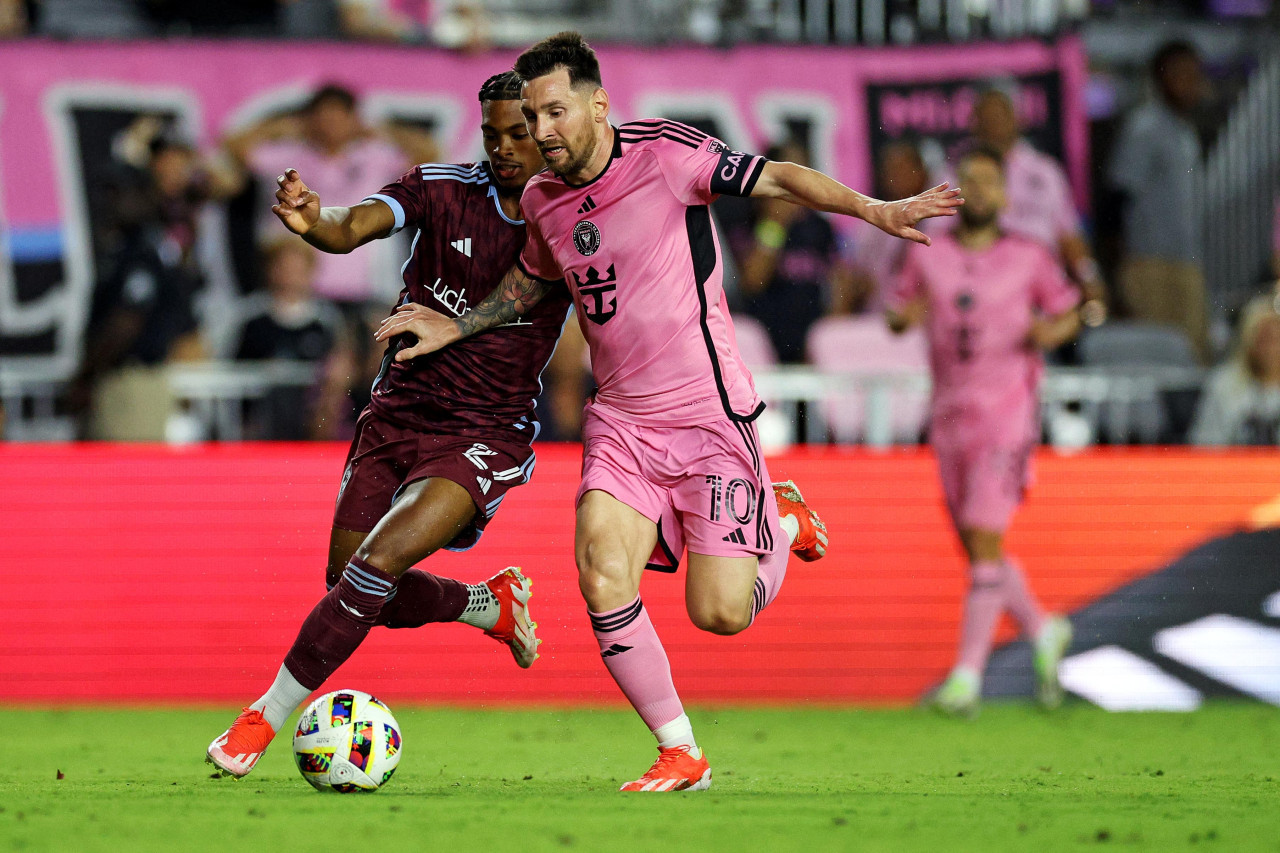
(983, 152)
(335, 92)
(1168, 52)
(501, 87)
(567, 50)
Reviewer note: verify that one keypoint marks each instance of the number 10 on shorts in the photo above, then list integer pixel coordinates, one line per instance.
(736, 499)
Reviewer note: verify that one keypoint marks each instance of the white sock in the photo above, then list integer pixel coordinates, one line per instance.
(284, 697)
(482, 608)
(791, 526)
(678, 732)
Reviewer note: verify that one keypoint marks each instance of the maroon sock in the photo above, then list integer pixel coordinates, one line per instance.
(337, 626)
(422, 597)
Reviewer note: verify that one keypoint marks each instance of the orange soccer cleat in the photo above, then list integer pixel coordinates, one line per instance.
(811, 541)
(237, 749)
(514, 628)
(675, 770)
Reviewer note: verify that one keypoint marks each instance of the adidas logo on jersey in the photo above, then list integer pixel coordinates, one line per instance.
(463, 245)
(736, 537)
(588, 205)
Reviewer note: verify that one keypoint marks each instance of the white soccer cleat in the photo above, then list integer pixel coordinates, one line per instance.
(1047, 653)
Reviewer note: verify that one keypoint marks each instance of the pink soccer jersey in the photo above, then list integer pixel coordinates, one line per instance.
(980, 308)
(638, 250)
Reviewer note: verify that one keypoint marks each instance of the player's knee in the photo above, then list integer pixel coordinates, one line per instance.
(986, 573)
(719, 618)
(385, 559)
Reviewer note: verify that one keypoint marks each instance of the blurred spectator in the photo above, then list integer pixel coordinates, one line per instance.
(874, 256)
(1241, 400)
(1275, 240)
(142, 317)
(790, 260)
(13, 19)
(566, 382)
(287, 323)
(462, 25)
(92, 19)
(341, 157)
(381, 20)
(1038, 195)
(346, 383)
(1155, 167)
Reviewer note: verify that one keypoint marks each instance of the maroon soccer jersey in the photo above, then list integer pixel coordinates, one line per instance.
(482, 386)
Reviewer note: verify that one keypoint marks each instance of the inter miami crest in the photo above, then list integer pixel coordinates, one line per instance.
(586, 237)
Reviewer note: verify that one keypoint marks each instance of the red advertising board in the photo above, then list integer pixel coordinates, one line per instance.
(143, 573)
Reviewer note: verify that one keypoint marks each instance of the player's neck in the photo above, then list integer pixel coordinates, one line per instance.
(977, 238)
(599, 160)
(510, 204)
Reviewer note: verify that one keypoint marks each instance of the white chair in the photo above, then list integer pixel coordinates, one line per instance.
(1133, 344)
(891, 408)
(754, 344)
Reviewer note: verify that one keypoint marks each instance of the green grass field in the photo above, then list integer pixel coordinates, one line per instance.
(800, 779)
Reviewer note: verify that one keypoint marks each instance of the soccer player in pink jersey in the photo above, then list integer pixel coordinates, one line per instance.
(990, 303)
(671, 457)
(433, 457)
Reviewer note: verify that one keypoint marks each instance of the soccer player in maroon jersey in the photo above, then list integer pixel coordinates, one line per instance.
(671, 458)
(443, 439)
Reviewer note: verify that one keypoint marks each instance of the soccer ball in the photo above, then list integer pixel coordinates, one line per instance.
(347, 741)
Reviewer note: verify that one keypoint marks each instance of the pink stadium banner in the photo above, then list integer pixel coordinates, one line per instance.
(750, 95)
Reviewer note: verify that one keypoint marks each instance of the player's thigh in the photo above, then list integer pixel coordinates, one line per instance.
(342, 545)
(612, 543)
(428, 515)
(718, 590)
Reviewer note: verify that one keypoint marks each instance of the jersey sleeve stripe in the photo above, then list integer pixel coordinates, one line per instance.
(676, 127)
(520, 266)
(631, 139)
(753, 175)
(397, 209)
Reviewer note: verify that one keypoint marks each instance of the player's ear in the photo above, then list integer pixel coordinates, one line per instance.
(600, 104)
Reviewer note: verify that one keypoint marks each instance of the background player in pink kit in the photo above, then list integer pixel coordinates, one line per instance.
(990, 303)
(432, 457)
(671, 458)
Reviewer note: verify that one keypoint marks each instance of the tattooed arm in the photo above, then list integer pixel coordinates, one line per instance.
(515, 295)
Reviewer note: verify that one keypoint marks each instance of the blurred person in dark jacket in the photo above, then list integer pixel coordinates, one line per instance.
(143, 316)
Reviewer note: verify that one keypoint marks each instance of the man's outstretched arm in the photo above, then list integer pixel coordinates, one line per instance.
(804, 186)
(336, 230)
(515, 295)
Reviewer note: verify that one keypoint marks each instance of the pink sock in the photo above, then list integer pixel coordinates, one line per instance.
(1021, 603)
(770, 573)
(635, 658)
(982, 608)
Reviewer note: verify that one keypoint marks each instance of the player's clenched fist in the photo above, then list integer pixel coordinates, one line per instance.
(296, 205)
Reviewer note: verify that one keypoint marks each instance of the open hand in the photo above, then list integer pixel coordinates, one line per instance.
(296, 205)
(900, 218)
(432, 329)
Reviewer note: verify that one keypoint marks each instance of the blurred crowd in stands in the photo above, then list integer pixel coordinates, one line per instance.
(791, 275)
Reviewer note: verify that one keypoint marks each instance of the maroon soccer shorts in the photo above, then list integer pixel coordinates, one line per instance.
(384, 458)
